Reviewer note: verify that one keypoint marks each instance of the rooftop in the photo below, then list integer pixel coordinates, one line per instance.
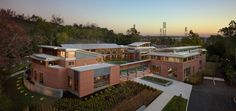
(136, 44)
(45, 57)
(92, 46)
(80, 54)
(181, 48)
(92, 67)
(57, 47)
(178, 54)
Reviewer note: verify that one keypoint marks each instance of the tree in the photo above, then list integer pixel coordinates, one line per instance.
(192, 39)
(62, 37)
(229, 31)
(14, 44)
(57, 20)
(132, 32)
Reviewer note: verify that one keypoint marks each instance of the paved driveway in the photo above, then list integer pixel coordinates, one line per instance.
(176, 88)
(209, 97)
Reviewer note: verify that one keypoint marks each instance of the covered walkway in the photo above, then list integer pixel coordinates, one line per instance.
(132, 70)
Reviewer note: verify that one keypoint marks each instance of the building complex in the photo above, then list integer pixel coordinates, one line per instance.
(83, 69)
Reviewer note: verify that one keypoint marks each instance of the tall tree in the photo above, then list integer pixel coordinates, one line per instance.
(229, 31)
(192, 39)
(57, 20)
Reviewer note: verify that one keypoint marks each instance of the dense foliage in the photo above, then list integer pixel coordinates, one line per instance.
(194, 79)
(20, 35)
(109, 98)
(222, 49)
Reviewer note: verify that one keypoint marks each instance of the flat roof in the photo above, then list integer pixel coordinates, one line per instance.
(138, 43)
(180, 48)
(92, 66)
(57, 47)
(92, 46)
(80, 54)
(177, 54)
(45, 57)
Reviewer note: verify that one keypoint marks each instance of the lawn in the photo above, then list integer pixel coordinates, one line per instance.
(20, 96)
(157, 80)
(177, 103)
(127, 96)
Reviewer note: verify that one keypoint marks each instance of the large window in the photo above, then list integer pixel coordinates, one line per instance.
(156, 69)
(71, 63)
(70, 54)
(172, 72)
(62, 53)
(69, 82)
(101, 81)
(35, 75)
(76, 80)
(41, 78)
(187, 71)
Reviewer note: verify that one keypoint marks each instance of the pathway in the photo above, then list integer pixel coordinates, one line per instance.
(16, 73)
(176, 88)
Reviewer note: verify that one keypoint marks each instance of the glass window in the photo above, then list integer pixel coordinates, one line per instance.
(101, 81)
(71, 63)
(76, 80)
(41, 78)
(69, 82)
(35, 75)
(187, 71)
(172, 72)
(185, 59)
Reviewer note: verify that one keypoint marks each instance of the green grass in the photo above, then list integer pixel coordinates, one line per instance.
(20, 96)
(155, 79)
(177, 103)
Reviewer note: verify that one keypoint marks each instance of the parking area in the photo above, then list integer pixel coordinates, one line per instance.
(210, 97)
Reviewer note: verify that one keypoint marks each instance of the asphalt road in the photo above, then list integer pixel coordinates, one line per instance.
(210, 97)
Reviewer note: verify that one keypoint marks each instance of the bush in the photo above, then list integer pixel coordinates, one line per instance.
(194, 79)
(156, 80)
(109, 99)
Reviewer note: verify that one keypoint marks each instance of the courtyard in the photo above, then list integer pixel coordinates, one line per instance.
(210, 97)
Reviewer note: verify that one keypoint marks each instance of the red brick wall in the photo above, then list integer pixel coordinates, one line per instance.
(86, 83)
(196, 64)
(115, 75)
(164, 68)
(86, 61)
(52, 77)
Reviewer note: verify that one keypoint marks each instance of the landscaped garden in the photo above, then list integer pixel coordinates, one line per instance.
(156, 80)
(177, 103)
(21, 97)
(127, 96)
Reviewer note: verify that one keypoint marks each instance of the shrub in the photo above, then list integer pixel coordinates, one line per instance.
(109, 99)
(194, 79)
(177, 103)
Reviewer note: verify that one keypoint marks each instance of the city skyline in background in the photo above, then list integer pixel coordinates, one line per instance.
(202, 16)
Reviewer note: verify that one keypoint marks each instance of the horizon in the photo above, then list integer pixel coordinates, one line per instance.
(148, 16)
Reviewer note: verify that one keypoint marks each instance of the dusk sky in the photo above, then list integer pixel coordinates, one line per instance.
(202, 16)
